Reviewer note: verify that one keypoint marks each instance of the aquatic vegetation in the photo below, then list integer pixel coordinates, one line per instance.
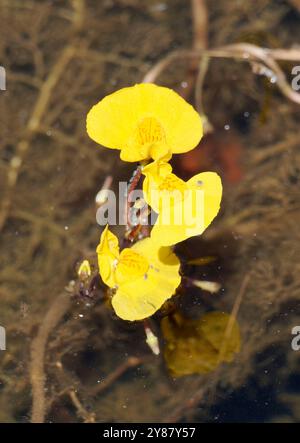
(198, 346)
(143, 277)
(148, 122)
(145, 121)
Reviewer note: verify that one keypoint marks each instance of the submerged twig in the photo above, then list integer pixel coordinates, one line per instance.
(200, 31)
(130, 363)
(187, 405)
(291, 142)
(38, 112)
(37, 355)
(200, 24)
(88, 417)
(239, 51)
(32, 125)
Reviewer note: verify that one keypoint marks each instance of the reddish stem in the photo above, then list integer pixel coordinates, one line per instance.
(131, 187)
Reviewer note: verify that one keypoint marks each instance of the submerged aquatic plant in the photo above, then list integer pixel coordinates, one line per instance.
(199, 346)
(148, 122)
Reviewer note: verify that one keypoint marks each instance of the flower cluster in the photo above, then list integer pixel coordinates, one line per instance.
(148, 124)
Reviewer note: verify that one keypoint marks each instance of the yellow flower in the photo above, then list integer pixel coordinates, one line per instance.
(84, 270)
(199, 346)
(185, 209)
(143, 276)
(145, 121)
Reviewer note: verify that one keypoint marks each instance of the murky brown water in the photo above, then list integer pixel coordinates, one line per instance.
(85, 364)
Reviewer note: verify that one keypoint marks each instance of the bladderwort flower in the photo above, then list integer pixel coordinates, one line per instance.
(142, 277)
(185, 209)
(149, 123)
(145, 122)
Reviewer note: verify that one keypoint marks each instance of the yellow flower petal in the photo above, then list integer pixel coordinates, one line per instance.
(185, 209)
(144, 276)
(211, 185)
(131, 265)
(145, 121)
(108, 255)
(141, 297)
(161, 187)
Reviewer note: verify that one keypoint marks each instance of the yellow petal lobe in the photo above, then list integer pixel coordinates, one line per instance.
(185, 209)
(145, 121)
(108, 255)
(140, 297)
